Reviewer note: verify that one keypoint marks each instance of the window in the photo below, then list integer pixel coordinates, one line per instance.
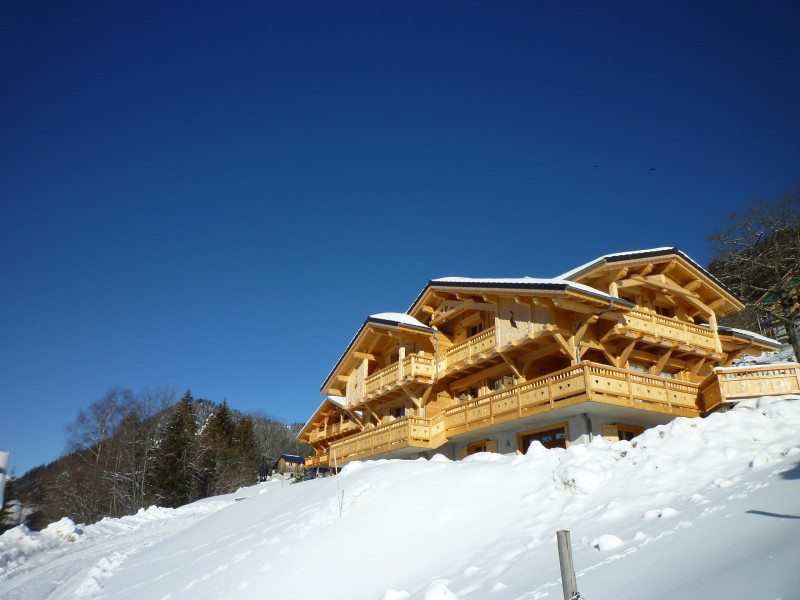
(551, 437)
(628, 432)
(474, 330)
(469, 394)
(502, 382)
(664, 311)
(476, 447)
(481, 446)
(398, 412)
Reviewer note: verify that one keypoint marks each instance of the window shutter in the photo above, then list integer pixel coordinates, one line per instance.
(464, 451)
(610, 432)
(491, 446)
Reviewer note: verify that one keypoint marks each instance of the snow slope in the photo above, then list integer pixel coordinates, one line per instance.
(697, 508)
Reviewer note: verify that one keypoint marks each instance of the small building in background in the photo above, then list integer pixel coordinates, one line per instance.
(287, 466)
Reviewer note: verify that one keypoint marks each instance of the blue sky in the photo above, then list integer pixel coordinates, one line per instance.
(216, 195)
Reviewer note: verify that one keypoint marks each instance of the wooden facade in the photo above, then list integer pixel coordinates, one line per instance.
(620, 344)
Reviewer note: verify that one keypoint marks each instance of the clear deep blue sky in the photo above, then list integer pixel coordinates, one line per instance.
(216, 195)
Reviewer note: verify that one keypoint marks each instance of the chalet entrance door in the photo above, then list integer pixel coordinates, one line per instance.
(549, 438)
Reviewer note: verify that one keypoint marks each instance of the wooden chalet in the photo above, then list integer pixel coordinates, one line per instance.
(288, 465)
(620, 344)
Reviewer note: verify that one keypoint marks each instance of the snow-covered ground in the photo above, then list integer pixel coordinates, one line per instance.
(699, 508)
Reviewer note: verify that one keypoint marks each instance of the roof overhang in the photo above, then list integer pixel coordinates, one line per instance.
(658, 256)
(529, 286)
(403, 325)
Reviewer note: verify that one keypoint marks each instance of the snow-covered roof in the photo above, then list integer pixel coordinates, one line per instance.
(520, 283)
(621, 256)
(392, 319)
(338, 401)
(652, 252)
(292, 458)
(750, 336)
(398, 319)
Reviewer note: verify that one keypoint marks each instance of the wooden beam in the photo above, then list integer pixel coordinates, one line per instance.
(551, 348)
(414, 399)
(441, 317)
(668, 267)
(364, 355)
(513, 367)
(370, 411)
(696, 368)
(693, 285)
(662, 362)
(714, 305)
(611, 357)
(578, 336)
(625, 354)
(574, 306)
(343, 378)
(564, 344)
(646, 270)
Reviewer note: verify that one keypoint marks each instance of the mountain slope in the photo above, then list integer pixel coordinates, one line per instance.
(699, 507)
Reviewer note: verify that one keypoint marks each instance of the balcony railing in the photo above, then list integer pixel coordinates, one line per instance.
(332, 430)
(749, 382)
(481, 342)
(412, 366)
(670, 328)
(585, 382)
(581, 383)
(416, 432)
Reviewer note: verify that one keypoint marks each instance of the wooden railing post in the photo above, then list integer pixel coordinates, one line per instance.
(568, 581)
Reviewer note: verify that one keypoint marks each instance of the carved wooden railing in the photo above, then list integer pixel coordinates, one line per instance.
(332, 430)
(404, 432)
(412, 366)
(585, 382)
(734, 383)
(473, 346)
(669, 328)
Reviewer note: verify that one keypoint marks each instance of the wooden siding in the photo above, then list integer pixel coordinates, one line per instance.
(513, 321)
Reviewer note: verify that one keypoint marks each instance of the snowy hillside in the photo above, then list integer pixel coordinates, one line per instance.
(695, 509)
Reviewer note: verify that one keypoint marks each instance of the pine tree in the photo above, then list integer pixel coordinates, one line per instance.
(9, 513)
(174, 482)
(217, 461)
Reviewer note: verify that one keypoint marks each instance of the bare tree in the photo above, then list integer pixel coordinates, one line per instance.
(757, 255)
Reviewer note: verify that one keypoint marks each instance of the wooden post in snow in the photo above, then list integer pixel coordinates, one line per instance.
(568, 581)
(338, 493)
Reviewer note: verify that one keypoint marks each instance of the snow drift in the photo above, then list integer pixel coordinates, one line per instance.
(697, 508)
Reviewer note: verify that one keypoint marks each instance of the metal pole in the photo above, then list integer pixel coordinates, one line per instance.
(568, 581)
(3, 474)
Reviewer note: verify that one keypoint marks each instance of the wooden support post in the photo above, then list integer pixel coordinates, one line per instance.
(568, 581)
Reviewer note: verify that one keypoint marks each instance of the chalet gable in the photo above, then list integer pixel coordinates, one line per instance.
(382, 339)
(660, 279)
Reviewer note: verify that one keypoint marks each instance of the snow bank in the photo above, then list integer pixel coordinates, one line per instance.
(712, 499)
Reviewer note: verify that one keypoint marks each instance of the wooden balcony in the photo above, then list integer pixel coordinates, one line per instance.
(583, 383)
(587, 382)
(669, 329)
(727, 385)
(333, 430)
(413, 366)
(406, 432)
(316, 461)
(468, 349)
